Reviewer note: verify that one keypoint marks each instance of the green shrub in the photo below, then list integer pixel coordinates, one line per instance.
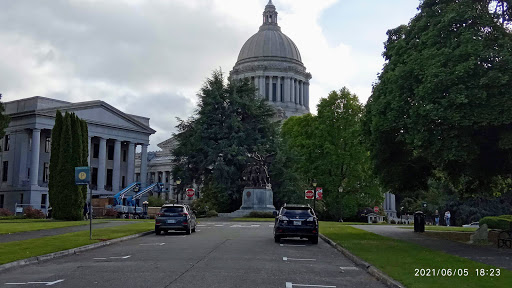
(31, 213)
(508, 217)
(494, 222)
(155, 201)
(393, 221)
(212, 213)
(200, 207)
(259, 214)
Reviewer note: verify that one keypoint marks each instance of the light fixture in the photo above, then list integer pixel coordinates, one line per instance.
(178, 181)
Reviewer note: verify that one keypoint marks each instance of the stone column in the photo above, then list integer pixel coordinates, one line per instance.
(116, 173)
(89, 155)
(307, 95)
(131, 164)
(22, 137)
(34, 164)
(302, 94)
(286, 89)
(102, 162)
(262, 86)
(144, 165)
(279, 96)
(292, 99)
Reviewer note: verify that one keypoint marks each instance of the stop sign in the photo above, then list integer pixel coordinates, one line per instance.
(309, 194)
(376, 209)
(191, 192)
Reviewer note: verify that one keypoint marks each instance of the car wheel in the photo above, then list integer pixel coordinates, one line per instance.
(194, 229)
(277, 239)
(157, 231)
(314, 239)
(188, 231)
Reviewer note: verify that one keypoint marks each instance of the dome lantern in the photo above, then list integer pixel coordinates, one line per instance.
(270, 14)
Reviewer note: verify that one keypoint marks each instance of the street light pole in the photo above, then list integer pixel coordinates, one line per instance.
(178, 182)
(314, 193)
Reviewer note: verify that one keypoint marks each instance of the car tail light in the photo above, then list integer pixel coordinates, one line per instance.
(184, 214)
(185, 223)
(158, 214)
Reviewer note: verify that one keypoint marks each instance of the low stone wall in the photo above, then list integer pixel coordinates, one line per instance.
(462, 236)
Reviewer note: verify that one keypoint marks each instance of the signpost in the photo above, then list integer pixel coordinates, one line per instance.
(319, 193)
(191, 192)
(83, 177)
(376, 209)
(309, 194)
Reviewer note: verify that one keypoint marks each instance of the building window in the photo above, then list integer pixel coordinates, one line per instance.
(95, 150)
(124, 155)
(267, 91)
(2, 198)
(47, 145)
(94, 176)
(274, 92)
(4, 171)
(7, 139)
(110, 152)
(46, 172)
(122, 182)
(21, 198)
(109, 177)
(137, 177)
(43, 201)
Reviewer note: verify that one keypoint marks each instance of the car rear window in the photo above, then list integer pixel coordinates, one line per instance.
(306, 213)
(171, 210)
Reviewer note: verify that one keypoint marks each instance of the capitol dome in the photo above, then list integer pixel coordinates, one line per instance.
(269, 42)
(272, 61)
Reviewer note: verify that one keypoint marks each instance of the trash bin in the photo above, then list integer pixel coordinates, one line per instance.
(419, 222)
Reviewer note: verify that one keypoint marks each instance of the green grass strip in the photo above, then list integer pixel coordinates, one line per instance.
(25, 225)
(444, 228)
(249, 219)
(399, 259)
(17, 250)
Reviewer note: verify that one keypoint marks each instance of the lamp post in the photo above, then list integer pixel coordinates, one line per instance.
(178, 182)
(314, 193)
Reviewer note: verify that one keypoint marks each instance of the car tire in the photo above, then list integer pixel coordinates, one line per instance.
(314, 239)
(188, 231)
(194, 229)
(157, 231)
(277, 239)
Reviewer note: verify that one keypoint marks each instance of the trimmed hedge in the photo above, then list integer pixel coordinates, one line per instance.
(496, 222)
(508, 217)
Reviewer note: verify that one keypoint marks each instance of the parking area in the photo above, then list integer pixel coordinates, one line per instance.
(219, 254)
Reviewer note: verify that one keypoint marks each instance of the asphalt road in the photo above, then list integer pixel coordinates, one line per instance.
(219, 254)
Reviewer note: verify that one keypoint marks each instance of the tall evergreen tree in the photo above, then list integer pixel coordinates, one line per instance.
(77, 150)
(54, 179)
(229, 124)
(4, 119)
(85, 151)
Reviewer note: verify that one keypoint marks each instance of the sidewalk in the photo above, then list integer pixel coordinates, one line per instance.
(485, 254)
(57, 231)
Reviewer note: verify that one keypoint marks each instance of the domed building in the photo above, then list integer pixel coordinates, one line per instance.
(273, 62)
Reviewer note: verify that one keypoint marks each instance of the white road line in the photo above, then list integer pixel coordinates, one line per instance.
(122, 257)
(290, 285)
(47, 283)
(255, 225)
(348, 268)
(219, 225)
(99, 258)
(295, 259)
(153, 244)
(54, 282)
(198, 230)
(199, 225)
(270, 225)
(15, 283)
(291, 245)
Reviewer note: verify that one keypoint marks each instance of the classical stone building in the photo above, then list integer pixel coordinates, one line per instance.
(25, 157)
(273, 62)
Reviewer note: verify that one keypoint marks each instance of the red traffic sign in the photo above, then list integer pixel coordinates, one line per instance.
(309, 194)
(319, 193)
(191, 192)
(376, 209)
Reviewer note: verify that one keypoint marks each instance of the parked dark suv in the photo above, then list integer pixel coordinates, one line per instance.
(175, 217)
(296, 221)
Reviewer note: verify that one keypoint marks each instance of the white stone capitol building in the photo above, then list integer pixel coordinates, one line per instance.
(273, 62)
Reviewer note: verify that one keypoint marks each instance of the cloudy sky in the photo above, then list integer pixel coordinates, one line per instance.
(150, 57)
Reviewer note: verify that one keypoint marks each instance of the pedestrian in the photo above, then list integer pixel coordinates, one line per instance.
(436, 217)
(447, 217)
(86, 211)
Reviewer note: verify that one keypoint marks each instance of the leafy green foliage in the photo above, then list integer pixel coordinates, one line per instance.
(331, 151)
(496, 223)
(213, 145)
(155, 201)
(442, 100)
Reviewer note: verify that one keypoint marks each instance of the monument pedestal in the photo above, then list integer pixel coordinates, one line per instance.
(254, 199)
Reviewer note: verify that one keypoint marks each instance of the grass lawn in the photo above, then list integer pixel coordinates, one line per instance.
(399, 259)
(17, 250)
(249, 219)
(24, 225)
(445, 228)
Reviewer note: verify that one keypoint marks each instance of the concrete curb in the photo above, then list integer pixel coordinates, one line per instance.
(379, 275)
(41, 258)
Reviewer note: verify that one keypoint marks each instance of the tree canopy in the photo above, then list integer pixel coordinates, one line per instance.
(442, 102)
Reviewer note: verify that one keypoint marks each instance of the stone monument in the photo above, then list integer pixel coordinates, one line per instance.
(257, 194)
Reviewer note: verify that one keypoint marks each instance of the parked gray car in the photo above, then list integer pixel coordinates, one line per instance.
(178, 217)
